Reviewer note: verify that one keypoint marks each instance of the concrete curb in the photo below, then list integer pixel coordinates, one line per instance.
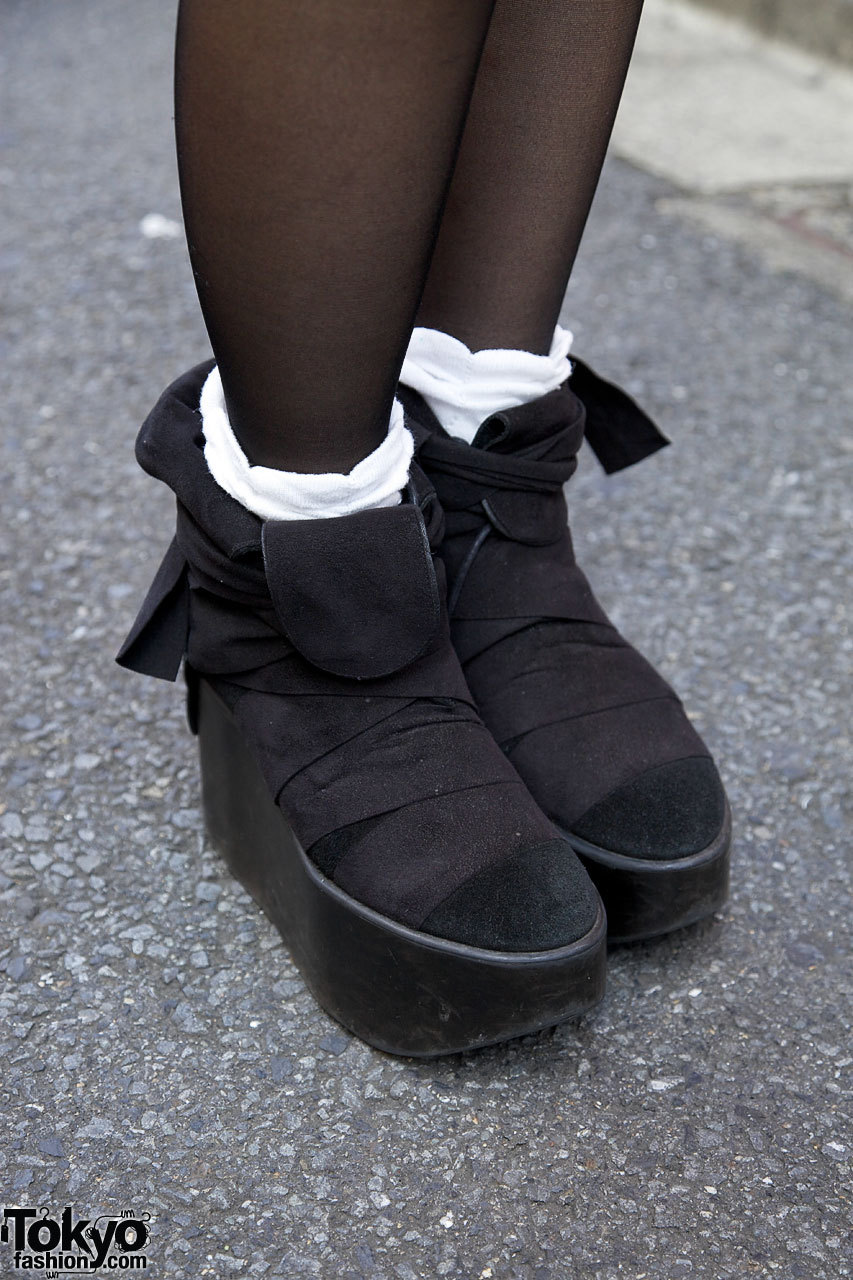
(756, 136)
(822, 26)
(714, 107)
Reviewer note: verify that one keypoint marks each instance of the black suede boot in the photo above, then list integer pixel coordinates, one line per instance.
(347, 777)
(601, 740)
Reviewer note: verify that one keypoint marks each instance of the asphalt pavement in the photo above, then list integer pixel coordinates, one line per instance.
(159, 1055)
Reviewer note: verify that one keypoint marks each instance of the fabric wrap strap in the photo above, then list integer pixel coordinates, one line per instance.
(503, 494)
(619, 432)
(522, 457)
(520, 493)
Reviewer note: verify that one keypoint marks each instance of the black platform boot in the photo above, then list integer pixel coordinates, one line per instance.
(601, 740)
(347, 778)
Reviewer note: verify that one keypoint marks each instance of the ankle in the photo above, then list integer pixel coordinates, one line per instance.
(273, 494)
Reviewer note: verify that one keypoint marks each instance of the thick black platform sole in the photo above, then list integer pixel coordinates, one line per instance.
(403, 991)
(645, 898)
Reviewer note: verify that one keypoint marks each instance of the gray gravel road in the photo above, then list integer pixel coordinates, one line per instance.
(158, 1052)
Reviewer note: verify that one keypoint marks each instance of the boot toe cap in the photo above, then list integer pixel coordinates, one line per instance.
(669, 812)
(537, 899)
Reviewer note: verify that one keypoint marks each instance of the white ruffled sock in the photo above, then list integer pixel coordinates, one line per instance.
(376, 481)
(464, 387)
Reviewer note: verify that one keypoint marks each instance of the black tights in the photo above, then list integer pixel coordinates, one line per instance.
(349, 170)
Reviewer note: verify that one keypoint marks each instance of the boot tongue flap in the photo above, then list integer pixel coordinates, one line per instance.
(356, 595)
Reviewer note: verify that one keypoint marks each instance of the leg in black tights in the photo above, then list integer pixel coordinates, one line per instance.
(316, 140)
(316, 143)
(543, 108)
(597, 736)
